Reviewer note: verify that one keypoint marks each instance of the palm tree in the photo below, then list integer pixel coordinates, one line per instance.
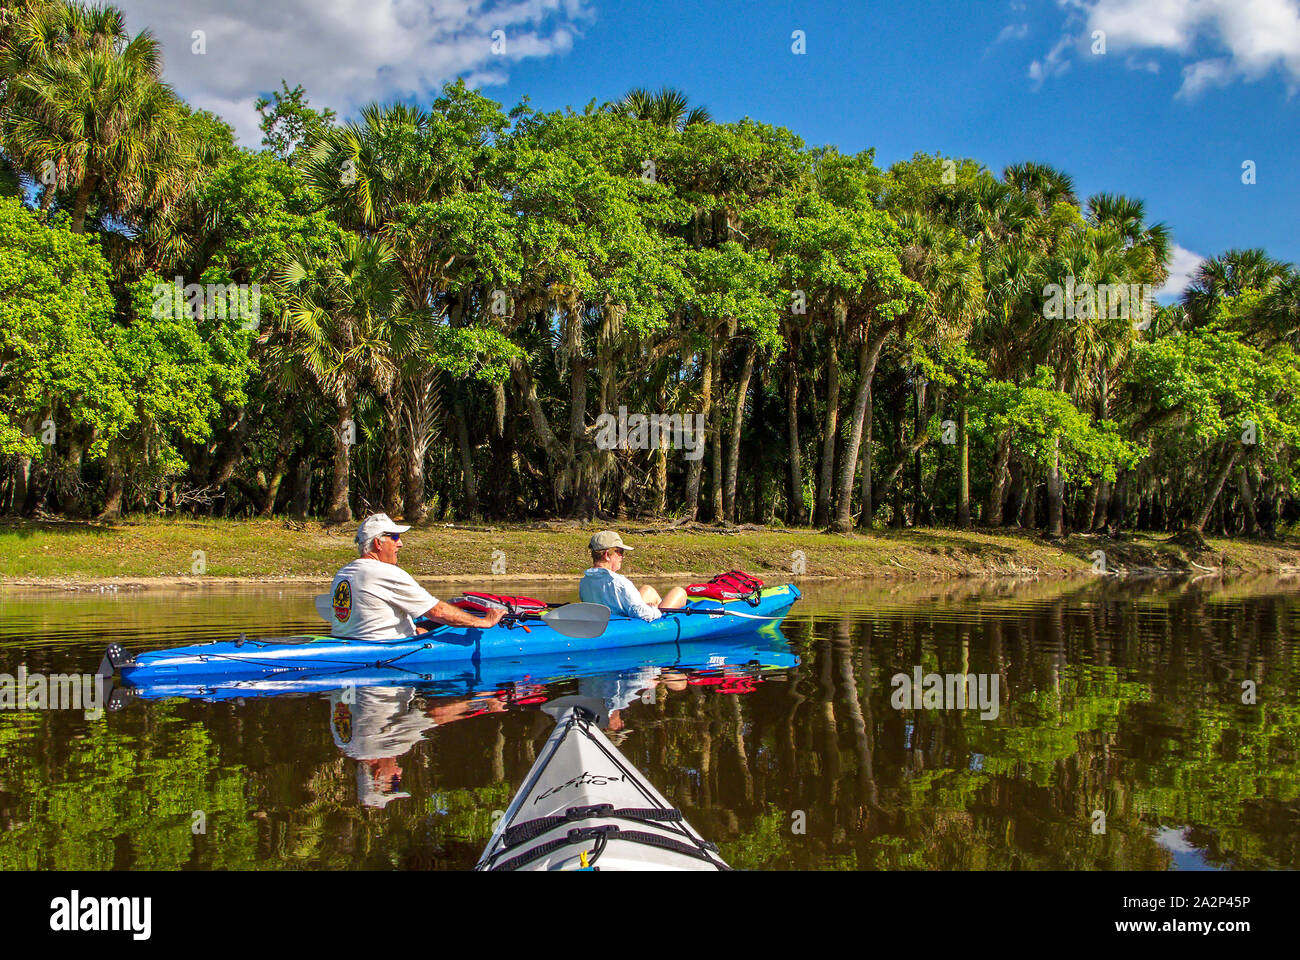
(85, 96)
(1281, 308)
(667, 108)
(1012, 275)
(1147, 249)
(1229, 275)
(339, 314)
(386, 175)
(1044, 185)
(14, 16)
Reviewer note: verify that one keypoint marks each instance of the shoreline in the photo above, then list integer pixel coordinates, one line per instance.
(191, 554)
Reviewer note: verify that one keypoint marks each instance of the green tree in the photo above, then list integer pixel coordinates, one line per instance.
(289, 123)
(339, 311)
(85, 110)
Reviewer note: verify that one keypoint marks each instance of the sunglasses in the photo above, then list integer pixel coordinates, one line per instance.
(393, 536)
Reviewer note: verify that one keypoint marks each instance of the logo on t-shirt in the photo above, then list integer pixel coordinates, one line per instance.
(343, 601)
(343, 722)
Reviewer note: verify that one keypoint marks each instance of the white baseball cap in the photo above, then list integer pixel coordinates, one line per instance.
(376, 525)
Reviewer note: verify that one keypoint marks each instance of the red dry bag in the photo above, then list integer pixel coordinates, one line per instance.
(732, 585)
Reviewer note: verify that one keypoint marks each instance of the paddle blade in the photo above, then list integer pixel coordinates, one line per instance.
(582, 621)
(325, 607)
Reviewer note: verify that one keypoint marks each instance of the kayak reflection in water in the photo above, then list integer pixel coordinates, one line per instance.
(602, 582)
(375, 599)
(377, 725)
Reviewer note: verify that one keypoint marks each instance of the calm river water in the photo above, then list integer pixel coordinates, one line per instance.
(1147, 726)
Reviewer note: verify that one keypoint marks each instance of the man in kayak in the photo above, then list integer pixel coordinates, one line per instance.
(602, 582)
(375, 599)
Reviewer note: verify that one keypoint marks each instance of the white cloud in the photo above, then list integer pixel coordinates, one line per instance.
(1229, 40)
(1012, 31)
(345, 52)
(1202, 75)
(1182, 266)
(1052, 65)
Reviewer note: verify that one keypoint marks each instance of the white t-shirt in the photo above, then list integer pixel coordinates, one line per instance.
(376, 722)
(615, 591)
(374, 600)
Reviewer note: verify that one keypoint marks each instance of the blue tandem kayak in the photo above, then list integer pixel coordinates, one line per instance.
(213, 666)
(731, 657)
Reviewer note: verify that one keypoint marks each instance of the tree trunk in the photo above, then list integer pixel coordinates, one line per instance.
(469, 482)
(81, 203)
(963, 466)
(393, 498)
(1100, 498)
(1029, 516)
(715, 446)
(918, 404)
(302, 487)
(1055, 495)
(232, 450)
(1268, 512)
(1017, 497)
(796, 513)
(659, 500)
(1216, 485)
(1250, 522)
(19, 502)
(340, 510)
(1101, 507)
(695, 469)
(415, 493)
(1118, 504)
(997, 491)
(113, 499)
(868, 354)
(737, 421)
(821, 516)
(1085, 514)
(69, 486)
(282, 449)
(868, 514)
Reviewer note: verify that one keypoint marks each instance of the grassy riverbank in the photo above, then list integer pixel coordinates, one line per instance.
(171, 552)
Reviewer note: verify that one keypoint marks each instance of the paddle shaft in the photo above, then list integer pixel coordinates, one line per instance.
(710, 612)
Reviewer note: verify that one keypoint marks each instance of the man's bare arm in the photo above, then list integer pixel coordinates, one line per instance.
(453, 616)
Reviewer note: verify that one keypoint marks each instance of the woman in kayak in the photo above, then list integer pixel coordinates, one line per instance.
(602, 583)
(375, 599)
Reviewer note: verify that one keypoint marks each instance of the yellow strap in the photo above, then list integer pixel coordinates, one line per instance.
(583, 858)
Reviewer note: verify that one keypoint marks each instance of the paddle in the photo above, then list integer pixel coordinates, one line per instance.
(580, 621)
(710, 611)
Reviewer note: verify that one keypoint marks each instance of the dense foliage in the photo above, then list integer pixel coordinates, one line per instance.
(440, 310)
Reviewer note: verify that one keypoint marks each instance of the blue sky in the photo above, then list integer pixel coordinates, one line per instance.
(1185, 92)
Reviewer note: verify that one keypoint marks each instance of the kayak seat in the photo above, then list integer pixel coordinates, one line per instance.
(523, 832)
